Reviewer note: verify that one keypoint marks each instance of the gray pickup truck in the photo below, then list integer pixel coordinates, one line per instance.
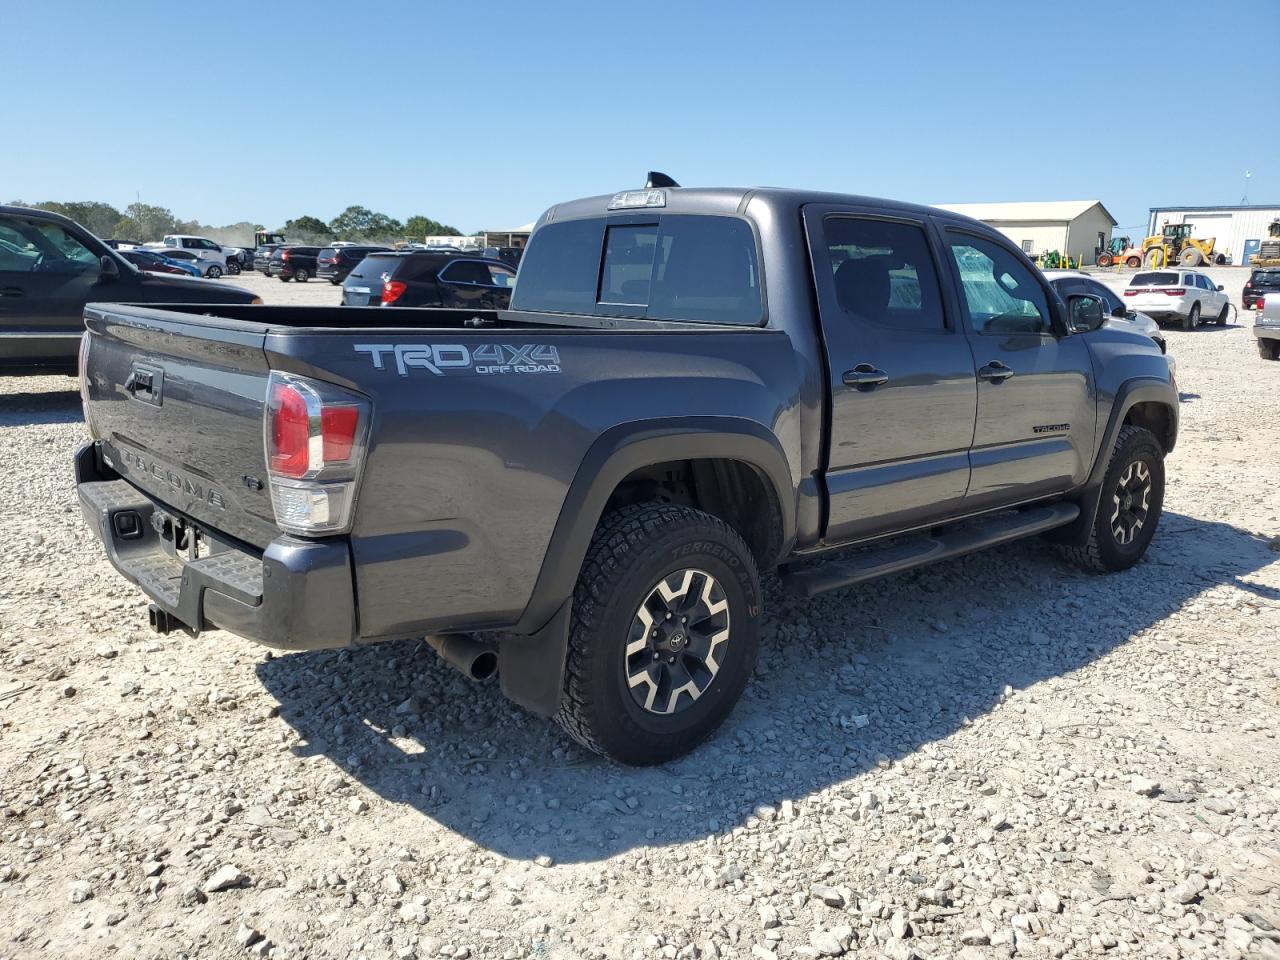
(691, 386)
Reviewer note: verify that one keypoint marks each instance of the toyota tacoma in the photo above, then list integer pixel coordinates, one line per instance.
(691, 386)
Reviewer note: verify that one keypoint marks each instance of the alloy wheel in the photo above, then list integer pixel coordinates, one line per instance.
(677, 642)
(1131, 502)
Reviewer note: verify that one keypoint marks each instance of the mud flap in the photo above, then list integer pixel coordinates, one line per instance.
(531, 668)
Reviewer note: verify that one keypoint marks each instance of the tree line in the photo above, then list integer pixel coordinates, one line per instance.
(145, 223)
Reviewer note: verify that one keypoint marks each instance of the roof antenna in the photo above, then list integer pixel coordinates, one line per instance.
(656, 180)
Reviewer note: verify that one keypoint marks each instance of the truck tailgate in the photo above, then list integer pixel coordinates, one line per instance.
(179, 406)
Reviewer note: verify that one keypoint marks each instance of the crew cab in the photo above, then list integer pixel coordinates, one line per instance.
(202, 247)
(690, 386)
(1266, 325)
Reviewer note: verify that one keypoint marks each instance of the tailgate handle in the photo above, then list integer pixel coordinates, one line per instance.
(143, 383)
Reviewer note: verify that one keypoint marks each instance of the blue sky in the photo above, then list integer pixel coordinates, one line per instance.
(481, 114)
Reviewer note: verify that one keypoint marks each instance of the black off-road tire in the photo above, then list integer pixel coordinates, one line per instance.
(1269, 349)
(1192, 319)
(233, 268)
(1102, 553)
(633, 550)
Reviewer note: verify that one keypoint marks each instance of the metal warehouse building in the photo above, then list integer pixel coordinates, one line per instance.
(1073, 227)
(1237, 230)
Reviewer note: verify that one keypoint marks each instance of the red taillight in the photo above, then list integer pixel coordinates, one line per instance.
(284, 255)
(290, 431)
(392, 290)
(338, 427)
(1131, 292)
(1174, 291)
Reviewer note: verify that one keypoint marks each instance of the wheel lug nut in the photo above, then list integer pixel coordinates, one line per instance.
(684, 619)
(656, 655)
(668, 614)
(671, 659)
(654, 634)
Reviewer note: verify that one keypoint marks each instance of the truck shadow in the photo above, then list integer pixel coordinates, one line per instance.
(28, 409)
(848, 681)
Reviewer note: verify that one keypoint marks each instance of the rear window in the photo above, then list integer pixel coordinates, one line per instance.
(699, 268)
(1266, 278)
(1162, 279)
(327, 252)
(373, 267)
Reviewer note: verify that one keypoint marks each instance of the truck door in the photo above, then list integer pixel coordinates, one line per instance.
(901, 374)
(1037, 409)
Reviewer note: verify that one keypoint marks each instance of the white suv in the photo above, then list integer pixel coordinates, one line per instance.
(1186, 296)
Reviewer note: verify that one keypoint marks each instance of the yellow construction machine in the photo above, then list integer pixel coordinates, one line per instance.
(1174, 244)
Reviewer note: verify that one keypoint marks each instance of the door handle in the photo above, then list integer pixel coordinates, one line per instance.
(12, 292)
(865, 377)
(995, 372)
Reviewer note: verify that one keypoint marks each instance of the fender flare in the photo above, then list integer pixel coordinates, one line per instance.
(531, 656)
(627, 447)
(1132, 392)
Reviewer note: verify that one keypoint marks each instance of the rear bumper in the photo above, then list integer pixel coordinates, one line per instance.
(1266, 333)
(1162, 309)
(297, 594)
(326, 271)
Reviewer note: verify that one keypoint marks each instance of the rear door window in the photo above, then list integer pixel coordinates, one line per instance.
(883, 273)
(466, 271)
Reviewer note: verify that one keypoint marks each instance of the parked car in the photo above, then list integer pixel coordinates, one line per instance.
(1185, 296)
(1261, 281)
(335, 262)
(198, 266)
(598, 474)
(202, 247)
(1266, 325)
(50, 267)
(422, 279)
(262, 255)
(293, 263)
(238, 259)
(150, 262)
(1073, 282)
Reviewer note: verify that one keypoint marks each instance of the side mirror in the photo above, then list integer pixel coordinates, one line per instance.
(1085, 313)
(108, 269)
(1120, 312)
(1219, 286)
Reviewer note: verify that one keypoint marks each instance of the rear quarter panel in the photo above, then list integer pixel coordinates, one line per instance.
(468, 470)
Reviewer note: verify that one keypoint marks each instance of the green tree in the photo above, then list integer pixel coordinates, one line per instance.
(127, 228)
(420, 226)
(153, 222)
(356, 222)
(98, 218)
(307, 226)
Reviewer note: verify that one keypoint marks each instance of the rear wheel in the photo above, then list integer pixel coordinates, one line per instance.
(1130, 507)
(1135, 262)
(1153, 259)
(1192, 319)
(301, 275)
(666, 620)
(1105, 260)
(1269, 349)
(214, 272)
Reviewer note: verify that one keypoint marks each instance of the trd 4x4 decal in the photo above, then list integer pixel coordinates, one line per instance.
(442, 359)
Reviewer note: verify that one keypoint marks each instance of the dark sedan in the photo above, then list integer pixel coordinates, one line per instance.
(334, 263)
(419, 279)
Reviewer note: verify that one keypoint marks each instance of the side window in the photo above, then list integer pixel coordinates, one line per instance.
(209, 245)
(501, 277)
(188, 243)
(170, 241)
(466, 271)
(883, 273)
(18, 254)
(1000, 294)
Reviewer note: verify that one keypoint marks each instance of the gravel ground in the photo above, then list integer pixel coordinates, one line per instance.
(996, 756)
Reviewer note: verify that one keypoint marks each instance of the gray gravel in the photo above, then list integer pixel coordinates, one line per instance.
(996, 756)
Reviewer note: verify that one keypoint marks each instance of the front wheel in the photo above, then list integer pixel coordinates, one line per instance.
(1135, 262)
(1105, 260)
(214, 273)
(1222, 317)
(233, 268)
(1130, 506)
(1192, 319)
(666, 625)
